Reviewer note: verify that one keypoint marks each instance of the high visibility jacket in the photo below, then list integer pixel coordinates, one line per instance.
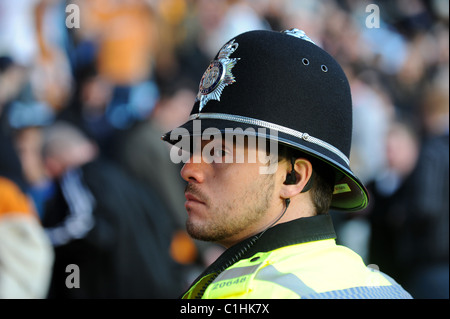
(298, 259)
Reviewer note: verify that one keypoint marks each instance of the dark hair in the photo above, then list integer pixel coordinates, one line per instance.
(323, 177)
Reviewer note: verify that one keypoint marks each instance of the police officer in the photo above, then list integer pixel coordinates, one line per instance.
(269, 205)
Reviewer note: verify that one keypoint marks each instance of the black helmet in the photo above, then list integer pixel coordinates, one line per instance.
(284, 82)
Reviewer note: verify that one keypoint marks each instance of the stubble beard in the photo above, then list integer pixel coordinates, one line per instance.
(252, 205)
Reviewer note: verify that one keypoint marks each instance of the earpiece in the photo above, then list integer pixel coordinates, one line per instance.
(292, 179)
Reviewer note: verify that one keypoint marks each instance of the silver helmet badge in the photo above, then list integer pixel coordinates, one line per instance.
(218, 75)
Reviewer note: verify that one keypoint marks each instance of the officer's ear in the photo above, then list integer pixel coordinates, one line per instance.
(298, 177)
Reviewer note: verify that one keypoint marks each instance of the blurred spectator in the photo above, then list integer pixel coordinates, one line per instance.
(309, 15)
(26, 120)
(141, 153)
(87, 107)
(223, 20)
(126, 37)
(28, 144)
(409, 214)
(25, 252)
(11, 80)
(109, 225)
(50, 73)
(425, 241)
(391, 196)
(207, 24)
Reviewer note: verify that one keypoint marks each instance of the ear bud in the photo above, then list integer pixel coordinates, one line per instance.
(292, 179)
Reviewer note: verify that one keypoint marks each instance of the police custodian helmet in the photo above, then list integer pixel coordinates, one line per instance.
(284, 82)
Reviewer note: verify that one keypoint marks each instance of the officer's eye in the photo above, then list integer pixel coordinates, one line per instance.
(217, 153)
(220, 152)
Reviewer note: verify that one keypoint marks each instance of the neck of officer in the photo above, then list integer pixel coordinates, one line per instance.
(300, 206)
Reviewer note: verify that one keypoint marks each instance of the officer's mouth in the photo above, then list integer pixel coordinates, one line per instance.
(192, 200)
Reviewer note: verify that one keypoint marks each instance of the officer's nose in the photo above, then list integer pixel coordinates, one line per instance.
(194, 169)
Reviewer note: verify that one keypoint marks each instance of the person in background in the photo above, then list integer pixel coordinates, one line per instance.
(26, 255)
(108, 224)
(141, 153)
(391, 196)
(424, 241)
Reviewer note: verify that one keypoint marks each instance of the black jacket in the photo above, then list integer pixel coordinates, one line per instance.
(122, 250)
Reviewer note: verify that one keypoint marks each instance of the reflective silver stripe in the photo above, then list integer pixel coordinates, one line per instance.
(295, 284)
(283, 129)
(375, 292)
(237, 272)
(288, 280)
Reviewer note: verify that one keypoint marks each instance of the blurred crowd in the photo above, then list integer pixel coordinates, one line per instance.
(86, 91)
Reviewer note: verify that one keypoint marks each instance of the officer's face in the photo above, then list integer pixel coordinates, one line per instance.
(228, 199)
